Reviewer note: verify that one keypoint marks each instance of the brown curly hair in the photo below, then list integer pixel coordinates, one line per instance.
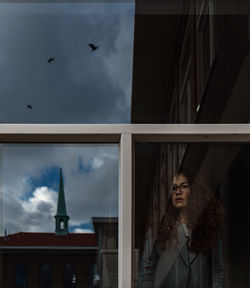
(204, 215)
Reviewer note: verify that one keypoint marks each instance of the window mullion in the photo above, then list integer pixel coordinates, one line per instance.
(125, 212)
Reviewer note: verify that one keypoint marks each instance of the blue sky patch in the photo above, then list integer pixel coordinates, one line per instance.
(87, 226)
(49, 178)
(85, 168)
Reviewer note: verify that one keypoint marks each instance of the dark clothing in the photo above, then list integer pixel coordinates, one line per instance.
(177, 267)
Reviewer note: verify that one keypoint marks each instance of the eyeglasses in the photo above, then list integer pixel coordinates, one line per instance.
(183, 187)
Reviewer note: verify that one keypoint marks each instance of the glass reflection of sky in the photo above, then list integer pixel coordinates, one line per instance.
(30, 182)
(79, 86)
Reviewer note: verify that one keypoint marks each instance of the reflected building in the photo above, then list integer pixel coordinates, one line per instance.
(195, 69)
(29, 259)
(107, 241)
(61, 259)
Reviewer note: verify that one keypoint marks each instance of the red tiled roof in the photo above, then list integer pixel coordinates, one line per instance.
(48, 239)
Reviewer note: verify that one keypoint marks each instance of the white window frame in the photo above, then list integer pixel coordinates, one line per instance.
(125, 135)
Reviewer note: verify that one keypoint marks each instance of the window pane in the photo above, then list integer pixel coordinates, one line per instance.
(20, 276)
(66, 62)
(59, 207)
(69, 277)
(45, 276)
(189, 213)
(205, 42)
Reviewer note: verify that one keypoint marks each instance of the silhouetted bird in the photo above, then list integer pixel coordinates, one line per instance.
(51, 59)
(93, 47)
(29, 106)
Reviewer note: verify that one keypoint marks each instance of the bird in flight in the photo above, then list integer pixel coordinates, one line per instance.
(29, 106)
(93, 47)
(50, 60)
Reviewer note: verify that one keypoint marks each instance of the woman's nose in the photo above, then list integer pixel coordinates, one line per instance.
(178, 190)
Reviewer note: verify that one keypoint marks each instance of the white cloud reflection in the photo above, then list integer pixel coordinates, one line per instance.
(30, 185)
(79, 230)
(42, 199)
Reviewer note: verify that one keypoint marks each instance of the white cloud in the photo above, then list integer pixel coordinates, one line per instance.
(80, 230)
(42, 196)
(97, 163)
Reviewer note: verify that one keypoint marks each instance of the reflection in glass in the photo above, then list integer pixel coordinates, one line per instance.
(65, 80)
(69, 276)
(45, 276)
(195, 77)
(187, 244)
(94, 277)
(20, 276)
(60, 210)
(187, 215)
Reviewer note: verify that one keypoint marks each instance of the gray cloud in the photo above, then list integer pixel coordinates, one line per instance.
(79, 87)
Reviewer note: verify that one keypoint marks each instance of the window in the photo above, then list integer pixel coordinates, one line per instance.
(94, 276)
(20, 276)
(187, 101)
(173, 116)
(67, 210)
(205, 44)
(211, 182)
(69, 276)
(147, 152)
(45, 276)
(63, 66)
(217, 152)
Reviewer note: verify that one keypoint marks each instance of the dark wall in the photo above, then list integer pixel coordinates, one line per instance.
(33, 260)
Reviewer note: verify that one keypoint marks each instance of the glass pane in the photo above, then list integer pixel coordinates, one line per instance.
(66, 62)
(69, 276)
(45, 276)
(59, 215)
(20, 276)
(189, 213)
(202, 42)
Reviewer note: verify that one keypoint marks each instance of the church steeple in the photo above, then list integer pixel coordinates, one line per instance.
(61, 216)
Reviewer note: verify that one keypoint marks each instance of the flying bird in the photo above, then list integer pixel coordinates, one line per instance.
(93, 47)
(51, 59)
(29, 106)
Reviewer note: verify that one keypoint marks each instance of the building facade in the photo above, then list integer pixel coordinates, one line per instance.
(61, 259)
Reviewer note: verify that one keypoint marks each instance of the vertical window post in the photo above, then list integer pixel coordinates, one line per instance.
(125, 212)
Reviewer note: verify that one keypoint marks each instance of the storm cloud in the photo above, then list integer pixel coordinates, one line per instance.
(79, 86)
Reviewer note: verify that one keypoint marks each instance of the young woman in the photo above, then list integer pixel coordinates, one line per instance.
(187, 252)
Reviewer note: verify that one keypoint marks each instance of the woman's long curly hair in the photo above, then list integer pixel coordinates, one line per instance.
(204, 213)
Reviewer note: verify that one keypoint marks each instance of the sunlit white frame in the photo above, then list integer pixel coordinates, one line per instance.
(125, 135)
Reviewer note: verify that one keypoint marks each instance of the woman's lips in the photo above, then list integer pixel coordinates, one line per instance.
(177, 200)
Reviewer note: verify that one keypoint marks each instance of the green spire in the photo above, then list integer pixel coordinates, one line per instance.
(61, 206)
(61, 215)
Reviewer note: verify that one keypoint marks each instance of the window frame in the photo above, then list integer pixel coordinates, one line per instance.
(125, 135)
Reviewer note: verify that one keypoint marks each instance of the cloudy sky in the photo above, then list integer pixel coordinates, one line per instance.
(78, 87)
(30, 183)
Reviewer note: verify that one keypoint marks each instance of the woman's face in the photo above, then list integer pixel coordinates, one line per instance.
(180, 191)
